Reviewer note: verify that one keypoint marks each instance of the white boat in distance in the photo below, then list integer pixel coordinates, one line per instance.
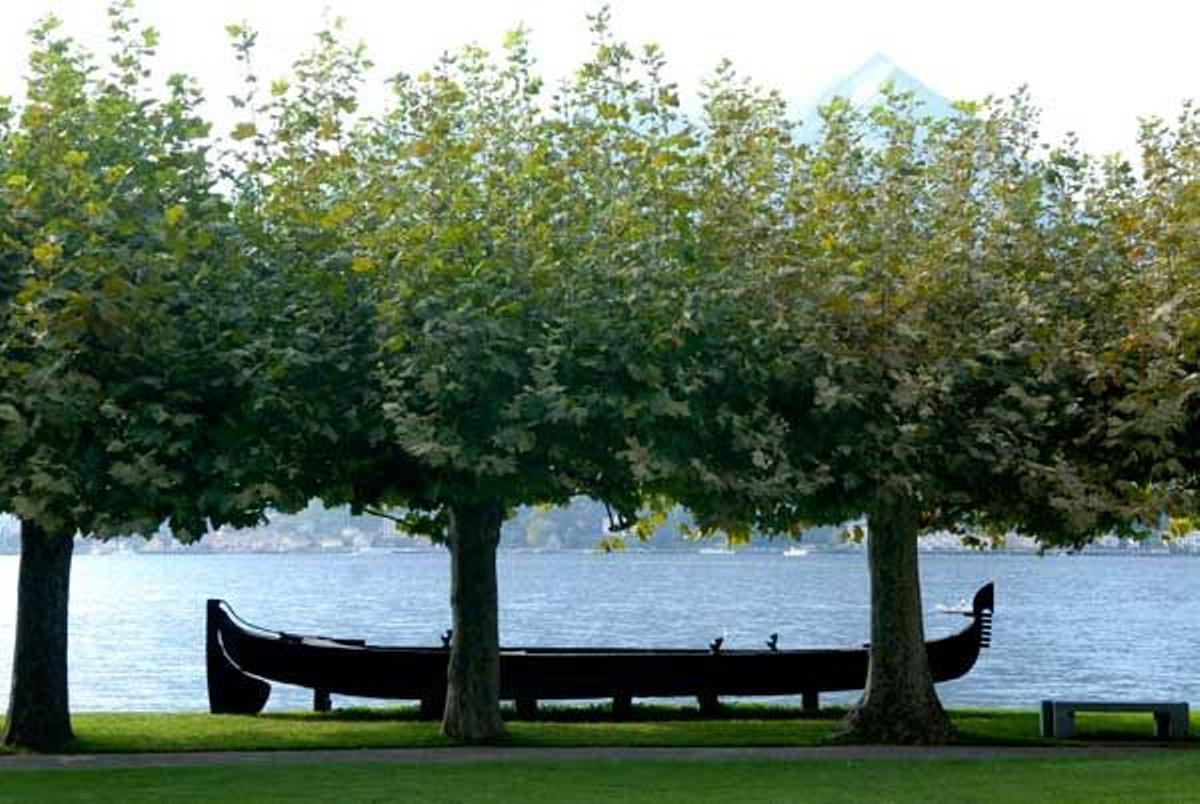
(795, 552)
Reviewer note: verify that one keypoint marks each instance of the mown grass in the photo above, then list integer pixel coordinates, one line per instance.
(1159, 778)
(741, 725)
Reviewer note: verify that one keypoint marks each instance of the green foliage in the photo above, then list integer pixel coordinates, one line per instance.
(939, 311)
(293, 167)
(513, 270)
(490, 293)
(1155, 222)
(596, 295)
(117, 260)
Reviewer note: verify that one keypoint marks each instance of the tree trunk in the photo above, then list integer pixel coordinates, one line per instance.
(39, 718)
(899, 705)
(473, 678)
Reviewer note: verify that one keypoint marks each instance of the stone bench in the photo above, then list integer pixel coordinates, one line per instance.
(1058, 717)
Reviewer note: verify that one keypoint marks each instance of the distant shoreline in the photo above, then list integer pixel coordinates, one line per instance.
(87, 549)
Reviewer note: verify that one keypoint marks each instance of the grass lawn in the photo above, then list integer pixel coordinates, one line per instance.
(742, 725)
(1169, 778)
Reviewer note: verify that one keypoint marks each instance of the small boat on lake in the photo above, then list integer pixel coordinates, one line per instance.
(243, 661)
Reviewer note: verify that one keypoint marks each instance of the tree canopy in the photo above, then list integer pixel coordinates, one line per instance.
(119, 306)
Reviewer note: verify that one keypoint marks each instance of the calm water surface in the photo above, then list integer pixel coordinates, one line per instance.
(1078, 626)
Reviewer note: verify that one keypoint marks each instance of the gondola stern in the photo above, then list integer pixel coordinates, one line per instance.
(983, 608)
(953, 656)
(230, 691)
(985, 600)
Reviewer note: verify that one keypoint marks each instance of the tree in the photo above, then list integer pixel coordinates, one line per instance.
(501, 245)
(934, 326)
(954, 295)
(118, 297)
(473, 263)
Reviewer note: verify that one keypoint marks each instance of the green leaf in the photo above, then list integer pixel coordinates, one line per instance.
(244, 131)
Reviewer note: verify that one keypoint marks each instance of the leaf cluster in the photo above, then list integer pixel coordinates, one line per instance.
(119, 321)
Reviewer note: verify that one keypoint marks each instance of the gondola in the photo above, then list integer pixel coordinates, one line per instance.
(243, 660)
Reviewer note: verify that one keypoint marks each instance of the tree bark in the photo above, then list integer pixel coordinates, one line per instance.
(899, 704)
(39, 717)
(473, 677)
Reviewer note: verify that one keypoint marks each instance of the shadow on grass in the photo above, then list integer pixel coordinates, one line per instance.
(561, 726)
(997, 727)
(597, 713)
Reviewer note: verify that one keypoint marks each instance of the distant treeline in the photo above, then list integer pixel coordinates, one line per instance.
(581, 525)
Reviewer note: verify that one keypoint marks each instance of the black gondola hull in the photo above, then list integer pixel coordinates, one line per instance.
(242, 659)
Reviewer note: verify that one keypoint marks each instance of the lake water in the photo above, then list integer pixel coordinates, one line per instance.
(1070, 626)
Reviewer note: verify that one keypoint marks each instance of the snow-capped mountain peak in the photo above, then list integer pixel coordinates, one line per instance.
(863, 86)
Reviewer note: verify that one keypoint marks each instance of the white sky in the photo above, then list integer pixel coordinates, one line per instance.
(1094, 67)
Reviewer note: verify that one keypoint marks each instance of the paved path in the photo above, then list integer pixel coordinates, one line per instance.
(493, 754)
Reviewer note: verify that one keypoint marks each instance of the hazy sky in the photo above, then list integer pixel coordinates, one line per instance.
(1094, 67)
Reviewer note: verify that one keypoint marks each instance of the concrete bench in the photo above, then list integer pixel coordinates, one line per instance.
(1058, 717)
